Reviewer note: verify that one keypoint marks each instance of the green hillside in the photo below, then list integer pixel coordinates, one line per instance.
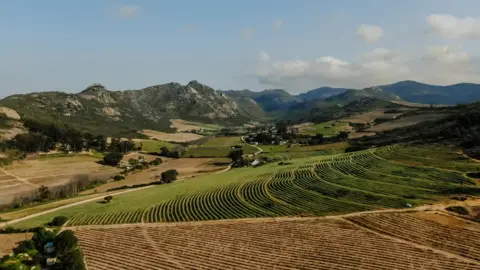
(318, 186)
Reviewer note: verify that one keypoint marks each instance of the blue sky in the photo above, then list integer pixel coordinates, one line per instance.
(296, 45)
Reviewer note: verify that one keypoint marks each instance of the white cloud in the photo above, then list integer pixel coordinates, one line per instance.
(247, 33)
(439, 65)
(370, 33)
(450, 26)
(126, 12)
(264, 57)
(447, 55)
(277, 24)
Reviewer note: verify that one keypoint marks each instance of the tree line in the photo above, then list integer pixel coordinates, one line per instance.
(46, 137)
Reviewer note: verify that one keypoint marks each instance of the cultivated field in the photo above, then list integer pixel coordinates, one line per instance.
(171, 137)
(152, 145)
(298, 151)
(182, 125)
(404, 122)
(317, 186)
(368, 117)
(186, 167)
(26, 176)
(10, 241)
(219, 147)
(419, 105)
(387, 241)
(328, 129)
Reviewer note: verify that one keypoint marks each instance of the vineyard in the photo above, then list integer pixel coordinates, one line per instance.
(297, 243)
(333, 185)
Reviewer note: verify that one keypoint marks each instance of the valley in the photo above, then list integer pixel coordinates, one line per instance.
(356, 171)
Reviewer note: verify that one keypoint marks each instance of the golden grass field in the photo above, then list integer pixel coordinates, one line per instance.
(24, 177)
(171, 137)
(10, 241)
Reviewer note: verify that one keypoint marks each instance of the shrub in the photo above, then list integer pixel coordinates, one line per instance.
(108, 199)
(156, 162)
(65, 242)
(72, 260)
(113, 158)
(24, 247)
(169, 176)
(458, 209)
(41, 237)
(59, 221)
(118, 177)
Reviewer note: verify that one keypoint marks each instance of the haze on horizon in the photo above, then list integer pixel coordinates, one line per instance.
(295, 45)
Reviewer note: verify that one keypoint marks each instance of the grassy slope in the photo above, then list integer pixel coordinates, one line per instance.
(219, 147)
(154, 145)
(326, 185)
(328, 129)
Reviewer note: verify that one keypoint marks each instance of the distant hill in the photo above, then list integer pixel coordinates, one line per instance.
(431, 94)
(322, 92)
(101, 111)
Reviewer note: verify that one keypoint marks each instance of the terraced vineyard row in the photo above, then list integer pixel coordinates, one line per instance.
(345, 183)
(290, 244)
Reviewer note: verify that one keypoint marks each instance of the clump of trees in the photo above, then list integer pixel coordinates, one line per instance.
(169, 176)
(237, 157)
(108, 199)
(31, 254)
(59, 221)
(177, 152)
(45, 137)
(113, 158)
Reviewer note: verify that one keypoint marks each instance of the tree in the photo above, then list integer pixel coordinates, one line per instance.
(72, 260)
(43, 193)
(343, 135)
(169, 176)
(235, 154)
(108, 199)
(41, 237)
(65, 242)
(164, 151)
(113, 158)
(59, 221)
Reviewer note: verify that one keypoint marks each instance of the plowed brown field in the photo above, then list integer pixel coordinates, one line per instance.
(296, 243)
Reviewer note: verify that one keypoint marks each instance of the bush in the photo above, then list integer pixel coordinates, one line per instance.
(118, 177)
(72, 260)
(458, 209)
(169, 176)
(24, 247)
(59, 221)
(108, 199)
(65, 242)
(113, 158)
(156, 162)
(41, 237)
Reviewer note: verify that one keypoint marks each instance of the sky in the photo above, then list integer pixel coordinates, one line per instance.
(297, 45)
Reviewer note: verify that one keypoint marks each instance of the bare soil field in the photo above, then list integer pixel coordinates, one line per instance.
(404, 122)
(419, 105)
(26, 176)
(360, 134)
(186, 167)
(171, 137)
(10, 241)
(288, 243)
(368, 117)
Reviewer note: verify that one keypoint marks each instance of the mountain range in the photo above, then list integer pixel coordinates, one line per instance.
(120, 113)
(411, 91)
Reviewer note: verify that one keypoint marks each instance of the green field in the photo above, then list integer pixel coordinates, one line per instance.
(219, 147)
(328, 129)
(317, 186)
(301, 151)
(154, 145)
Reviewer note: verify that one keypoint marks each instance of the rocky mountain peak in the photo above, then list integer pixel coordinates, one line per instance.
(94, 88)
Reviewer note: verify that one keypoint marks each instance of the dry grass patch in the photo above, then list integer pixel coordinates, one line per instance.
(10, 241)
(23, 177)
(171, 137)
(404, 122)
(186, 167)
(355, 135)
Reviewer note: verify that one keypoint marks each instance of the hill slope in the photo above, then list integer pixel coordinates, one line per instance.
(432, 94)
(99, 110)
